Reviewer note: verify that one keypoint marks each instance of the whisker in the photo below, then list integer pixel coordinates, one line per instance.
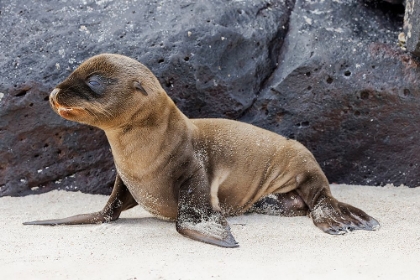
(98, 108)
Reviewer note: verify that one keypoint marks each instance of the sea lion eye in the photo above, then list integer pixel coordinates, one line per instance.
(93, 83)
(96, 84)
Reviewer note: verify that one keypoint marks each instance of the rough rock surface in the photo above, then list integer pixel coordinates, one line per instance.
(210, 57)
(345, 90)
(412, 26)
(394, 1)
(327, 73)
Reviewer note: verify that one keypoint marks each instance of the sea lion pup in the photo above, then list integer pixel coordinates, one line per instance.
(192, 171)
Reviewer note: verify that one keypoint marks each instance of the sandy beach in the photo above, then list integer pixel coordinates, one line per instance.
(139, 246)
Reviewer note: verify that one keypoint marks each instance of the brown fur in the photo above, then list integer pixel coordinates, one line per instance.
(194, 171)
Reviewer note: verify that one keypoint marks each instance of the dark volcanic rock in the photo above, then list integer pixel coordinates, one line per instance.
(348, 92)
(379, 2)
(394, 1)
(211, 57)
(327, 73)
(40, 151)
(412, 26)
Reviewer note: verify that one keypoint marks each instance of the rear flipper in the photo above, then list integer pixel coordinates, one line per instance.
(327, 213)
(335, 217)
(281, 204)
(120, 200)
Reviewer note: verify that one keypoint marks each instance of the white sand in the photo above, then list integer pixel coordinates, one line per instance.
(138, 246)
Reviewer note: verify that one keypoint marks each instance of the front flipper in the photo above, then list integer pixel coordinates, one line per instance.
(120, 200)
(209, 231)
(197, 219)
(91, 218)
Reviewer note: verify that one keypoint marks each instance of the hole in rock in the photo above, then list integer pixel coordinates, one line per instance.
(364, 94)
(330, 80)
(21, 93)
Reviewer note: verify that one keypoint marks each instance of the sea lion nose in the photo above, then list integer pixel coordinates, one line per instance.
(53, 96)
(54, 92)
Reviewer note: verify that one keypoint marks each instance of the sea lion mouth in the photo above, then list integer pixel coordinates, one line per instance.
(63, 111)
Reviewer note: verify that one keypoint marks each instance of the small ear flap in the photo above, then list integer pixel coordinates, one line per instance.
(139, 87)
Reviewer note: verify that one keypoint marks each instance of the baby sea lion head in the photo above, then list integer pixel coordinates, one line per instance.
(107, 91)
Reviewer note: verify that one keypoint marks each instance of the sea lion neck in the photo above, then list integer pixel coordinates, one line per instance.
(151, 135)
